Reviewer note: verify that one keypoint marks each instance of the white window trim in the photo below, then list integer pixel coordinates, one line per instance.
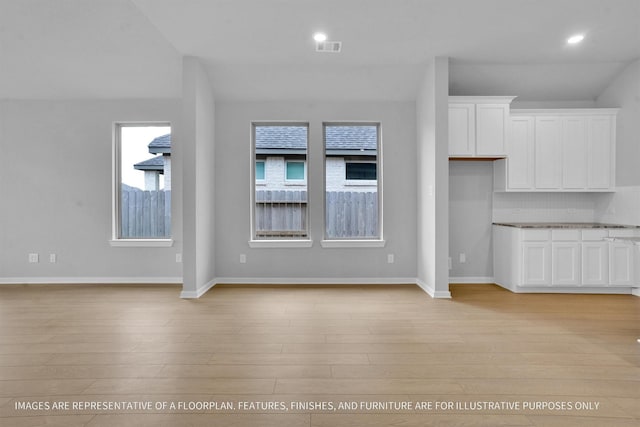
(361, 183)
(352, 242)
(273, 243)
(293, 243)
(141, 243)
(116, 179)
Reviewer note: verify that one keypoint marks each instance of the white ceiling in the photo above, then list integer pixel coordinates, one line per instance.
(262, 49)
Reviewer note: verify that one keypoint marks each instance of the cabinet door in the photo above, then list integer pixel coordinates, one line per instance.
(621, 264)
(548, 153)
(491, 121)
(536, 260)
(462, 129)
(595, 263)
(566, 263)
(520, 153)
(600, 148)
(574, 153)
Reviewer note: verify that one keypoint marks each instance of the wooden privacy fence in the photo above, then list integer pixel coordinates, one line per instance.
(283, 213)
(145, 214)
(351, 214)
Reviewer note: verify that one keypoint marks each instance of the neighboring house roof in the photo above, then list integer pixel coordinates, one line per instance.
(351, 140)
(351, 137)
(153, 164)
(281, 139)
(161, 145)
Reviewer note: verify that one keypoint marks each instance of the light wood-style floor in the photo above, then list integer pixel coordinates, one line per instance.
(287, 344)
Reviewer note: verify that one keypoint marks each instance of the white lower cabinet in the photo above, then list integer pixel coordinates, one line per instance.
(566, 263)
(536, 264)
(527, 258)
(621, 262)
(595, 263)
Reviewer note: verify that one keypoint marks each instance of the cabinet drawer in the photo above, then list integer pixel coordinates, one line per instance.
(566, 235)
(623, 232)
(536, 235)
(594, 235)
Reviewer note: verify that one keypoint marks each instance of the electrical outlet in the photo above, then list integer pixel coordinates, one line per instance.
(53, 258)
(33, 258)
(178, 257)
(243, 259)
(391, 258)
(463, 258)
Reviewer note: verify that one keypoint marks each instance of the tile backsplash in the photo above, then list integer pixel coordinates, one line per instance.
(545, 207)
(621, 207)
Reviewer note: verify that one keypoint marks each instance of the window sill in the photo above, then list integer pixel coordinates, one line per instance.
(280, 243)
(361, 183)
(363, 243)
(141, 243)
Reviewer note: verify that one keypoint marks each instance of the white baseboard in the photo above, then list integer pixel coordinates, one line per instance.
(472, 280)
(303, 281)
(198, 292)
(431, 291)
(89, 280)
(569, 290)
(635, 291)
(316, 280)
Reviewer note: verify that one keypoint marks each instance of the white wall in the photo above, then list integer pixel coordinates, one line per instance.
(197, 155)
(624, 93)
(470, 216)
(233, 160)
(433, 179)
(56, 192)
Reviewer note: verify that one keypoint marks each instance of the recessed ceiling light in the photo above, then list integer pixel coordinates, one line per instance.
(575, 39)
(320, 37)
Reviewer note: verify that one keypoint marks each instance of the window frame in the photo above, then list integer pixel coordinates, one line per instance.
(282, 242)
(359, 182)
(354, 242)
(116, 193)
(263, 180)
(290, 181)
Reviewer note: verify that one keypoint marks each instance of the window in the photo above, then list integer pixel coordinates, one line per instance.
(279, 202)
(295, 172)
(259, 171)
(361, 171)
(352, 181)
(142, 181)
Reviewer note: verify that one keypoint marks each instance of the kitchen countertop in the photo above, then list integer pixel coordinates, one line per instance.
(563, 225)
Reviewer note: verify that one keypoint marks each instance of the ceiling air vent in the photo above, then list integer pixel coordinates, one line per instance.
(328, 47)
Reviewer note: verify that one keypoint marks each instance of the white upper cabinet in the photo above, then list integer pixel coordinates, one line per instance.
(548, 153)
(477, 126)
(559, 150)
(601, 152)
(462, 129)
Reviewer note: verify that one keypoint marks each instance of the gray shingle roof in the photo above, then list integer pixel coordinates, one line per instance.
(153, 164)
(351, 137)
(338, 137)
(283, 137)
(161, 144)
